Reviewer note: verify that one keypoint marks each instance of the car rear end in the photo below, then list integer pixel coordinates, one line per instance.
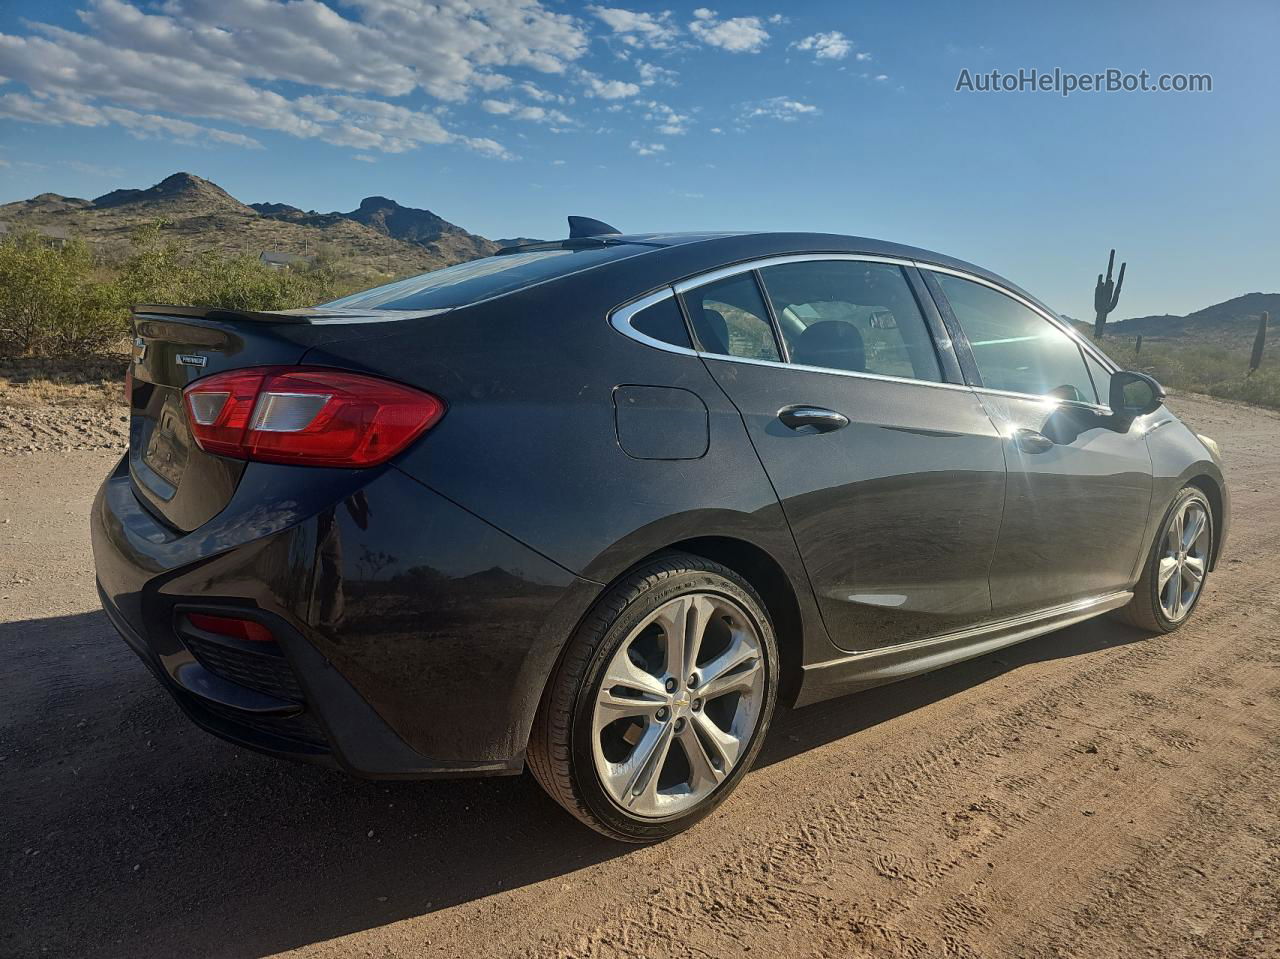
(293, 589)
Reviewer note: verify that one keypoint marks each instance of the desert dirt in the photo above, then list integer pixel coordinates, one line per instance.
(1092, 793)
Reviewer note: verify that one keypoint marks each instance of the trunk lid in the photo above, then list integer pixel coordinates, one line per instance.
(172, 346)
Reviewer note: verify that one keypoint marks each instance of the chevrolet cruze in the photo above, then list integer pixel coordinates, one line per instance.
(596, 506)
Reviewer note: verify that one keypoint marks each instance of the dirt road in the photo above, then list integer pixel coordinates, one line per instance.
(1092, 793)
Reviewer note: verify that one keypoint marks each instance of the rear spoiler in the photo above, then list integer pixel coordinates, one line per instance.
(308, 315)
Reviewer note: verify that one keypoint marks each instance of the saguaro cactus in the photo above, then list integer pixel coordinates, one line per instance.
(1106, 295)
(1259, 342)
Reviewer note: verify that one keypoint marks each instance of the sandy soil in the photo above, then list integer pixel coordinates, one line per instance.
(1092, 793)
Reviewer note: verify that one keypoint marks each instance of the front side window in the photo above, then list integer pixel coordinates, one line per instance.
(729, 317)
(853, 316)
(1016, 348)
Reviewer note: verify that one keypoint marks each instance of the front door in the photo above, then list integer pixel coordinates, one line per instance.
(892, 480)
(1079, 486)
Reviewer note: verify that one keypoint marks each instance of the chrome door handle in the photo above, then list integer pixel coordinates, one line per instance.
(1032, 441)
(822, 420)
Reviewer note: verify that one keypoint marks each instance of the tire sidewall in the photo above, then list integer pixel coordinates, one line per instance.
(586, 779)
(1157, 550)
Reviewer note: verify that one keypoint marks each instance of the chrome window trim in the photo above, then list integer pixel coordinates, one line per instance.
(823, 369)
(692, 283)
(620, 320)
(1043, 398)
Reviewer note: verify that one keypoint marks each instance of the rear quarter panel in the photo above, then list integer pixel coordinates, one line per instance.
(529, 442)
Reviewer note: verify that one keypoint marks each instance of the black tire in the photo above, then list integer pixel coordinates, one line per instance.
(1144, 610)
(560, 748)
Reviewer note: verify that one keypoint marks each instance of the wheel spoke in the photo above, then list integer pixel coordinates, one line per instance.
(1193, 570)
(1195, 525)
(724, 746)
(733, 669)
(702, 766)
(625, 673)
(1175, 533)
(615, 703)
(1168, 566)
(642, 788)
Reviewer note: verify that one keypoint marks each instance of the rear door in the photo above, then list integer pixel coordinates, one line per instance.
(1079, 486)
(888, 468)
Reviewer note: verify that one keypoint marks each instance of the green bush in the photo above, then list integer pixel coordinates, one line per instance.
(1201, 367)
(57, 301)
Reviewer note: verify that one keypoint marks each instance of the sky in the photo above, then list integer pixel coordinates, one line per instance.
(504, 116)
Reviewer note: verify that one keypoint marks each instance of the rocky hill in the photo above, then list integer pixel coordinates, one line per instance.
(379, 237)
(1227, 324)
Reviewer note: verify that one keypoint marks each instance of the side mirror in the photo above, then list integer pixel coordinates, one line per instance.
(1134, 394)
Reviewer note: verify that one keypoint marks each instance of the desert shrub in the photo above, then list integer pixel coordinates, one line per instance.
(1201, 367)
(54, 299)
(57, 301)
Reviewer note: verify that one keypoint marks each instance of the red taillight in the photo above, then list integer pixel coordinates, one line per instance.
(233, 627)
(310, 417)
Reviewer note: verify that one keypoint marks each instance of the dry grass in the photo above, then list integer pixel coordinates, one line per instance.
(96, 382)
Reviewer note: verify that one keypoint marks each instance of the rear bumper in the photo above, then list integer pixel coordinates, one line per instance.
(413, 639)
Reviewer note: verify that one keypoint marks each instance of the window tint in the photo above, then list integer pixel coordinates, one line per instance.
(730, 317)
(1101, 379)
(847, 315)
(1016, 348)
(480, 279)
(663, 321)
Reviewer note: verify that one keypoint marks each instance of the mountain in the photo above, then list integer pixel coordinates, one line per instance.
(377, 238)
(1227, 323)
(420, 227)
(182, 190)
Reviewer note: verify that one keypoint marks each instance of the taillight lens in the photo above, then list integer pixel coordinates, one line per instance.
(309, 417)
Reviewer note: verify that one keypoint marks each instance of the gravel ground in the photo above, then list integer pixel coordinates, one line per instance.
(1091, 793)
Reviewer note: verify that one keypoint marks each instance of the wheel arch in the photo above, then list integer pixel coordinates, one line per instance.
(1213, 492)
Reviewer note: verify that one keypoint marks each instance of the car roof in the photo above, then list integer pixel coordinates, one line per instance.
(740, 245)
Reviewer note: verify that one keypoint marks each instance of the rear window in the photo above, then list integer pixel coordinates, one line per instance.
(477, 280)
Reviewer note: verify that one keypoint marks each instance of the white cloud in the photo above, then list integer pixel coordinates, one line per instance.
(651, 74)
(777, 108)
(826, 46)
(639, 29)
(535, 92)
(62, 110)
(647, 149)
(606, 89)
(365, 158)
(240, 61)
(737, 35)
(521, 111)
(669, 122)
(146, 126)
(881, 77)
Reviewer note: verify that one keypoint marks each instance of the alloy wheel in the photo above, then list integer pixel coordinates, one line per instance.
(678, 705)
(1184, 561)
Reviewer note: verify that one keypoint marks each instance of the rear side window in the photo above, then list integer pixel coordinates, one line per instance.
(729, 317)
(477, 280)
(663, 321)
(1016, 348)
(853, 316)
